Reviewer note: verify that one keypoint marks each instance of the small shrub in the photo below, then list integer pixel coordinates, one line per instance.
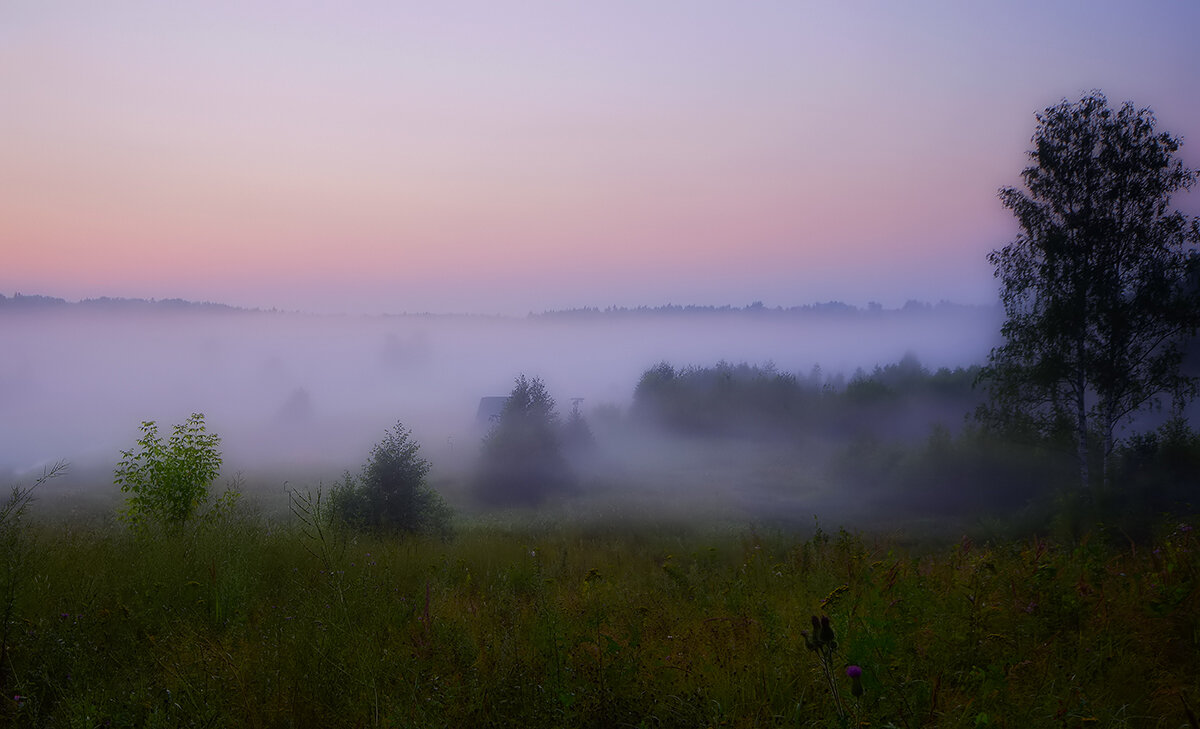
(169, 482)
(390, 494)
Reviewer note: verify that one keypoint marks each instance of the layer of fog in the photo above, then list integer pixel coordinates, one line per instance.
(303, 393)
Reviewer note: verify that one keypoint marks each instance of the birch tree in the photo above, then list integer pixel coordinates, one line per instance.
(1095, 286)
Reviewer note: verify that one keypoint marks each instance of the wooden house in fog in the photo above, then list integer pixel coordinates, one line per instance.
(488, 413)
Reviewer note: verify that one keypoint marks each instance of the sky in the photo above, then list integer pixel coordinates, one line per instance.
(490, 157)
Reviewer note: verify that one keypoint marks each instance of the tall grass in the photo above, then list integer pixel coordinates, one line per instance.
(242, 623)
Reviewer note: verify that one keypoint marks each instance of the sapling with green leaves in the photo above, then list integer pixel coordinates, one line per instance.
(168, 482)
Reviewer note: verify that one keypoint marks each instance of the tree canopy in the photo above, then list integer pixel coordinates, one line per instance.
(1095, 285)
(522, 461)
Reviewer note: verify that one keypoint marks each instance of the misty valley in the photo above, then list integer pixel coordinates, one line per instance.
(299, 399)
(665, 517)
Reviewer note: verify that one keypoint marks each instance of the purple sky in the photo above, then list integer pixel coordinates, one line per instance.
(497, 158)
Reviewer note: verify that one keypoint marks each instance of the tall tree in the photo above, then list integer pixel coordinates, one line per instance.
(1095, 285)
(522, 461)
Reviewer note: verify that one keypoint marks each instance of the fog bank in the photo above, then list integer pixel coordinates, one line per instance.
(296, 390)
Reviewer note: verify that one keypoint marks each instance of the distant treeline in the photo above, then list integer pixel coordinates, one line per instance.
(27, 302)
(905, 440)
(105, 303)
(756, 308)
(895, 400)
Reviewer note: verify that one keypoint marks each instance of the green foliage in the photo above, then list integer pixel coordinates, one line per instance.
(390, 494)
(522, 462)
(169, 482)
(1095, 287)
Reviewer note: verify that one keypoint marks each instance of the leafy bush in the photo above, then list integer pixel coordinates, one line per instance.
(169, 482)
(390, 494)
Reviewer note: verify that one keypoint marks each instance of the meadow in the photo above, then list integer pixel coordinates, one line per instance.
(256, 621)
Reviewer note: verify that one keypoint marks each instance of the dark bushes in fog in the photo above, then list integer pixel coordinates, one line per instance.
(577, 436)
(1154, 473)
(753, 400)
(723, 400)
(982, 472)
(522, 462)
(971, 473)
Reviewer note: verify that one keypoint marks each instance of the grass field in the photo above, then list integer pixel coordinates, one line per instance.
(252, 622)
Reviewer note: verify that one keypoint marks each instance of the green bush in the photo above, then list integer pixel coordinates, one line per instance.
(169, 482)
(390, 494)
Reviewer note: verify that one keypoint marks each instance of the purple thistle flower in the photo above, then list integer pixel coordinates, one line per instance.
(855, 674)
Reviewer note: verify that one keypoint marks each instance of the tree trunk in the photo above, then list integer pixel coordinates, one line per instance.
(1081, 432)
(1109, 424)
(1081, 451)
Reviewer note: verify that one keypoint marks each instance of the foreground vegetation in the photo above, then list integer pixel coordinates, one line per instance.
(245, 622)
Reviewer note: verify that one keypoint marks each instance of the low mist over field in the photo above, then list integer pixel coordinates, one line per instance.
(316, 391)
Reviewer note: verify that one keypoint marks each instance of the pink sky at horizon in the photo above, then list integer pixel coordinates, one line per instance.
(473, 158)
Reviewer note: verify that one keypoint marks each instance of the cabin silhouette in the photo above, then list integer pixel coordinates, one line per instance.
(488, 413)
